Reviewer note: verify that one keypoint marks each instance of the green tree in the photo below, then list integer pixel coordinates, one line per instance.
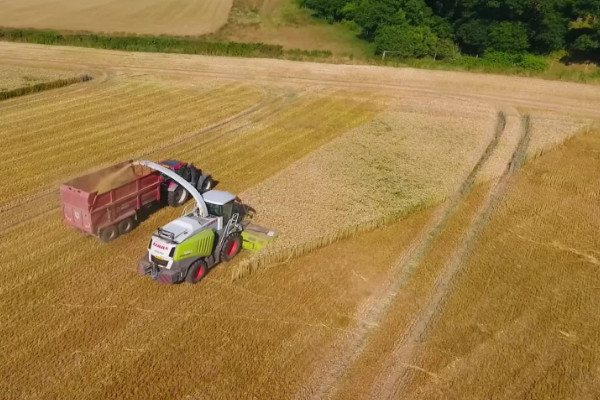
(416, 11)
(585, 8)
(586, 43)
(473, 36)
(550, 33)
(508, 37)
(370, 15)
(407, 41)
(442, 48)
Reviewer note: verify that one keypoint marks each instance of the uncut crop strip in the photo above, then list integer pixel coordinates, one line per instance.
(396, 374)
(298, 242)
(373, 312)
(40, 87)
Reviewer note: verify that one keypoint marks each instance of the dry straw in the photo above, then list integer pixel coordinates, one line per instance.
(409, 158)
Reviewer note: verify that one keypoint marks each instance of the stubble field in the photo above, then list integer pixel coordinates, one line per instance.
(380, 181)
(173, 17)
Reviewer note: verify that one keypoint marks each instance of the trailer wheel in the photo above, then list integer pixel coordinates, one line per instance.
(109, 233)
(205, 183)
(177, 197)
(196, 272)
(126, 225)
(231, 247)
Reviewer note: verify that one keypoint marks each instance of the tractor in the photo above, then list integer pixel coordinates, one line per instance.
(174, 193)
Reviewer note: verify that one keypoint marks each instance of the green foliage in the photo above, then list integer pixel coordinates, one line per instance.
(162, 44)
(521, 60)
(407, 41)
(550, 33)
(586, 43)
(442, 49)
(508, 37)
(474, 36)
(584, 8)
(477, 26)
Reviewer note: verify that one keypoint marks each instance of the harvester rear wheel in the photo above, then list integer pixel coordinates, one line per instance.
(126, 225)
(109, 233)
(231, 247)
(177, 197)
(196, 272)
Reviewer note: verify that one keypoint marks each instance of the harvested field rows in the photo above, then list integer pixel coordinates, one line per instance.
(175, 17)
(293, 140)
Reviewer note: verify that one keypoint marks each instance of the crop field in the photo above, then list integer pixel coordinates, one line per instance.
(285, 23)
(431, 224)
(14, 77)
(175, 17)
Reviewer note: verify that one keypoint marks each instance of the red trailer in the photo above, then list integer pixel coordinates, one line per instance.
(105, 203)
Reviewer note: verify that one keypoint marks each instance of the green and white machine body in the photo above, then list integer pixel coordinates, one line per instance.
(186, 248)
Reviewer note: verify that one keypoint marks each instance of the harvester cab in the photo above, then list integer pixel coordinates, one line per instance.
(186, 248)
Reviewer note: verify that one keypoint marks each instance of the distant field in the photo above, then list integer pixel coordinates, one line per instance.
(322, 152)
(284, 23)
(174, 17)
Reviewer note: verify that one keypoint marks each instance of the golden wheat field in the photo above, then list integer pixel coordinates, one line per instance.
(415, 210)
(14, 76)
(175, 17)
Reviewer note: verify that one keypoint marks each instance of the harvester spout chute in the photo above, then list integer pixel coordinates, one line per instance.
(200, 204)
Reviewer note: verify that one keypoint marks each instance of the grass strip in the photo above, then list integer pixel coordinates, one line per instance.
(159, 44)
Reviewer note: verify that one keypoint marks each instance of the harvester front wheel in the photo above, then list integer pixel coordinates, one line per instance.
(126, 225)
(177, 197)
(231, 247)
(109, 233)
(196, 272)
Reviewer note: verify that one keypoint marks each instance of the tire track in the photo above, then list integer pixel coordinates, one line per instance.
(396, 374)
(372, 312)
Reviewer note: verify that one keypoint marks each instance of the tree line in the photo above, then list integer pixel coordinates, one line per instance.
(443, 28)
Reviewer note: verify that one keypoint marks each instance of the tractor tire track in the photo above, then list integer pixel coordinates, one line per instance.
(372, 312)
(396, 374)
(47, 197)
